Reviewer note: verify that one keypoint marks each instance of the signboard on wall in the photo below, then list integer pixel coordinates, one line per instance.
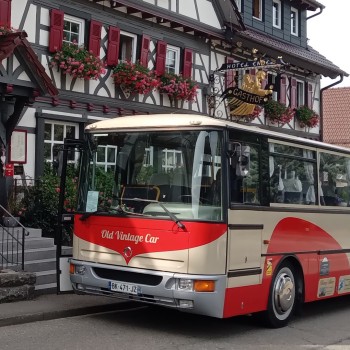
(18, 147)
(9, 170)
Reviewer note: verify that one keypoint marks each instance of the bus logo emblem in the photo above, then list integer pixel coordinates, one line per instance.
(127, 252)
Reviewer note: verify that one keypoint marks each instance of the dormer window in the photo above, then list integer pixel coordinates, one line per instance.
(294, 21)
(277, 14)
(257, 9)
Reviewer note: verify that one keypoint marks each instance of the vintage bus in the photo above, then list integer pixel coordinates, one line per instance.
(211, 217)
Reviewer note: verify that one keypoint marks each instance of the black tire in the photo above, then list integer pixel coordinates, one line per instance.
(283, 297)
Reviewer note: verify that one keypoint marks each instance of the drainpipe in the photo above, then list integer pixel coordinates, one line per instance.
(321, 102)
(315, 14)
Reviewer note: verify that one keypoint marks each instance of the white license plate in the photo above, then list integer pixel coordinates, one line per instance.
(124, 288)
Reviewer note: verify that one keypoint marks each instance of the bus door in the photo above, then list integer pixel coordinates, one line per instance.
(245, 220)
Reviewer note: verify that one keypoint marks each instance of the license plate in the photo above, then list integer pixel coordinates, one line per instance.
(124, 288)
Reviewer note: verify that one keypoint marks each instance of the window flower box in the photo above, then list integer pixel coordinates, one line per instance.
(177, 87)
(78, 62)
(134, 77)
(278, 113)
(307, 117)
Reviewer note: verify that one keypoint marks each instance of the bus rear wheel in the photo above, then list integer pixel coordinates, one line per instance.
(283, 296)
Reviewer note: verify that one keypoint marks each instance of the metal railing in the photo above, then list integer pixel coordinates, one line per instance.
(12, 241)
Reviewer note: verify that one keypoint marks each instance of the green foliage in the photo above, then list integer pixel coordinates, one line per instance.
(41, 200)
(278, 112)
(307, 117)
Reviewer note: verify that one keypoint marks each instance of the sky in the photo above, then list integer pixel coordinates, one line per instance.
(328, 34)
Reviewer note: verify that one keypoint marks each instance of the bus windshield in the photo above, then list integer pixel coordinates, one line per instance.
(133, 172)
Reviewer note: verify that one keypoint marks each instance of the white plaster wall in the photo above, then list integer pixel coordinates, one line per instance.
(28, 119)
(30, 166)
(207, 14)
(17, 14)
(163, 3)
(30, 23)
(187, 8)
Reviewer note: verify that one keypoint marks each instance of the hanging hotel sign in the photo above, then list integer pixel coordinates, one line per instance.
(245, 96)
(257, 63)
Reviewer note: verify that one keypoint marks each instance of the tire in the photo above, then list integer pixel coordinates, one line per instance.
(283, 297)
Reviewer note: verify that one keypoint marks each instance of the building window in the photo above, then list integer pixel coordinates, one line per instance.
(239, 5)
(73, 30)
(277, 14)
(300, 93)
(54, 135)
(294, 21)
(106, 157)
(172, 61)
(127, 47)
(257, 9)
(171, 159)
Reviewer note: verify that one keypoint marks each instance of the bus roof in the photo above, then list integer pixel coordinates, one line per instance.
(173, 121)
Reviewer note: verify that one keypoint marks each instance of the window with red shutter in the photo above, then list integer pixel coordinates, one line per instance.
(56, 30)
(95, 37)
(187, 70)
(293, 93)
(5, 13)
(144, 50)
(113, 46)
(283, 89)
(161, 56)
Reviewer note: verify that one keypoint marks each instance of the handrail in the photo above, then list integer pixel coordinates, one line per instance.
(5, 253)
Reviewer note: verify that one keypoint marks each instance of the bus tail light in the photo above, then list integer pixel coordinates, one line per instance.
(204, 286)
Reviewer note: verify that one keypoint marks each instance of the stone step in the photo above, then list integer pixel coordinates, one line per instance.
(45, 277)
(30, 243)
(37, 253)
(40, 265)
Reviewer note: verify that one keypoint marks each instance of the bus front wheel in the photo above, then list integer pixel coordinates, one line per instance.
(283, 296)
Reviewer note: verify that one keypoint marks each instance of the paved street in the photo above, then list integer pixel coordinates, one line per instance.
(324, 325)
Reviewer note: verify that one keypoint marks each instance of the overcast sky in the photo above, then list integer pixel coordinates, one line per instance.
(329, 35)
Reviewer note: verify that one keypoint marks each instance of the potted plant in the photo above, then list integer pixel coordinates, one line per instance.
(277, 112)
(16, 208)
(134, 77)
(307, 117)
(177, 87)
(78, 62)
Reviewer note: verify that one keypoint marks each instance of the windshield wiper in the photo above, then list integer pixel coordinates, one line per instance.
(171, 215)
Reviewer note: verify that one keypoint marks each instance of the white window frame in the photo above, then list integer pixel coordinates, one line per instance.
(81, 23)
(277, 14)
(260, 10)
(170, 159)
(54, 142)
(176, 50)
(239, 5)
(300, 93)
(294, 21)
(106, 164)
(123, 49)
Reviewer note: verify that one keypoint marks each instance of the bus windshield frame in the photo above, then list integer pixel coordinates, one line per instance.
(130, 172)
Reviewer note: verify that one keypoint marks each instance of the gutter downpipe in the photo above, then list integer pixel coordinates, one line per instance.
(315, 14)
(321, 103)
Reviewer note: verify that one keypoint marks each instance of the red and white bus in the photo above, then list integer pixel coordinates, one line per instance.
(211, 217)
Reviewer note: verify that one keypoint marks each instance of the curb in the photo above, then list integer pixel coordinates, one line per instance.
(52, 315)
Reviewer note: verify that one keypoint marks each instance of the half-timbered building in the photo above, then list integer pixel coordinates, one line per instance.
(194, 38)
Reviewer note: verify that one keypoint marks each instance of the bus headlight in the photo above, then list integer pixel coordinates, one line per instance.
(185, 284)
(77, 269)
(188, 285)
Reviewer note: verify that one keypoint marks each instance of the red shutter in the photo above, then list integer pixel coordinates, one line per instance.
(5, 13)
(113, 46)
(293, 93)
(56, 30)
(230, 74)
(144, 50)
(283, 89)
(95, 37)
(161, 57)
(310, 95)
(187, 71)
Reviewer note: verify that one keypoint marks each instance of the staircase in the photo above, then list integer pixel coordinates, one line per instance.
(40, 260)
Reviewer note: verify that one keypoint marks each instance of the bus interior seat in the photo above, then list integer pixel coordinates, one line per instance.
(129, 192)
(162, 181)
(178, 188)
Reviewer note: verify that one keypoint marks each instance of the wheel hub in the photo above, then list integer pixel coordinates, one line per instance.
(284, 293)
